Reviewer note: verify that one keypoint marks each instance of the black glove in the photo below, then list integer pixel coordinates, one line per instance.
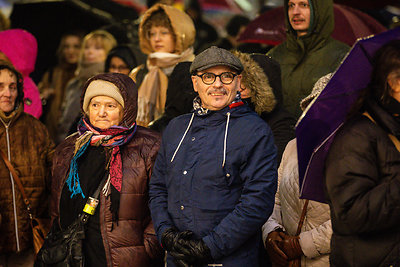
(194, 251)
(168, 238)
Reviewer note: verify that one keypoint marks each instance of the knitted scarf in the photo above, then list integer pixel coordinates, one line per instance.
(114, 137)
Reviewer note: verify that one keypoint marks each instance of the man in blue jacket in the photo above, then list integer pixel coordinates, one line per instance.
(214, 180)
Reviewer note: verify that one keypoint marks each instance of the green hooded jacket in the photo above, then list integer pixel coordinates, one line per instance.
(305, 59)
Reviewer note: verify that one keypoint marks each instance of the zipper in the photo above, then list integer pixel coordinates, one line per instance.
(12, 186)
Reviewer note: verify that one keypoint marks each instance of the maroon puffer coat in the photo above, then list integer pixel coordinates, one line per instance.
(131, 241)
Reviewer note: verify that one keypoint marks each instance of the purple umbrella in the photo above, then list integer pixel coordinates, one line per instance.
(325, 115)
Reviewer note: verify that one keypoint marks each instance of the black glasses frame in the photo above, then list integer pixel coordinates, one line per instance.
(215, 77)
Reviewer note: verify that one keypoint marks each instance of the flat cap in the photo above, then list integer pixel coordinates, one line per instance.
(215, 56)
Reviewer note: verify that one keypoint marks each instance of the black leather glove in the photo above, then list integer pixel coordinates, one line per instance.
(168, 238)
(194, 251)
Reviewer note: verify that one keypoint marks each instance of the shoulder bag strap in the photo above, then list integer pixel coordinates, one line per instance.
(18, 182)
(395, 141)
(302, 217)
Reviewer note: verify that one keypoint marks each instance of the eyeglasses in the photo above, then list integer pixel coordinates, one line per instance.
(209, 78)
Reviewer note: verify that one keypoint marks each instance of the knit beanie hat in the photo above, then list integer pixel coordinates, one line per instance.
(101, 88)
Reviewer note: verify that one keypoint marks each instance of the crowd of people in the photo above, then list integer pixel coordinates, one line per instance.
(192, 154)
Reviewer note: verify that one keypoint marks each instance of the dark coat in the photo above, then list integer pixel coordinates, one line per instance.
(262, 76)
(224, 204)
(180, 95)
(131, 241)
(305, 59)
(363, 191)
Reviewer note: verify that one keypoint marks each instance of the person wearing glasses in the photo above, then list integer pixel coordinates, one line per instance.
(215, 177)
(120, 59)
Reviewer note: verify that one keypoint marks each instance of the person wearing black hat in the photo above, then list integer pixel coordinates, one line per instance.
(215, 178)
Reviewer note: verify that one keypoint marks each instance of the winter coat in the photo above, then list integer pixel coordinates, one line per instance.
(305, 59)
(262, 76)
(223, 194)
(315, 236)
(363, 191)
(26, 142)
(180, 95)
(20, 47)
(131, 241)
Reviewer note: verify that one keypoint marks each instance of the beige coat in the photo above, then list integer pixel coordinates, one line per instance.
(316, 233)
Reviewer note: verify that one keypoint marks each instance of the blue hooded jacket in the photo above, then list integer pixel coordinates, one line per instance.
(215, 175)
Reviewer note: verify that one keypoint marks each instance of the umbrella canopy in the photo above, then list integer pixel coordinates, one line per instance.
(350, 24)
(324, 116)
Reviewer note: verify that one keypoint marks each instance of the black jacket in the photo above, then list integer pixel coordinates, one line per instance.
(180, 95)
(363, 191)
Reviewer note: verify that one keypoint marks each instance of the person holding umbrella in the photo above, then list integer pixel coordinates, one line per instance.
(363, 171)
(287, 235)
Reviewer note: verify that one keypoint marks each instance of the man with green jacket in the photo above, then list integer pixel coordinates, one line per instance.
(309, 51)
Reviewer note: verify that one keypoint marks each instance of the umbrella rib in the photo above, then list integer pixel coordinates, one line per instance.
(313, 153)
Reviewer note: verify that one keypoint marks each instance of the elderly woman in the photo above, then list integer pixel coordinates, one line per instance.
(166, 35)
(363, 172)
(108, 144)
(27, 145)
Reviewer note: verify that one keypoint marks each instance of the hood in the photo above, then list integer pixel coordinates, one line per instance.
(182, 26)
(262, 76)
(128, 91)
(20, 47)
(321, 25)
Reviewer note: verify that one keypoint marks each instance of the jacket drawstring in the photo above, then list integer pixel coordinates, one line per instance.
(183, 137)
(225, 138)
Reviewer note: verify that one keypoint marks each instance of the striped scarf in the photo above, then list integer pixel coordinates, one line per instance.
(114, 137)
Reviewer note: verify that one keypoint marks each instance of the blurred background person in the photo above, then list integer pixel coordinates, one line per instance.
(363, 171)
(312, 245)
(25, 142)
(108, 144)
(95, 47)
(54, 81)
(4, 22)
(166, 35)
(20, 48)
(205, 33)
(261, 89)
(309, 52)
(235, 26)
(120, 59)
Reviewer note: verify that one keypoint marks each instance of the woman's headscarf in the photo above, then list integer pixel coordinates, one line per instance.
(153, 90)
(113, 137)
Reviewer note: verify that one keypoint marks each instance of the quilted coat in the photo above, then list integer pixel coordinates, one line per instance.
(26, 142)
(316, 233)
(132, 240)
(222, 193)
